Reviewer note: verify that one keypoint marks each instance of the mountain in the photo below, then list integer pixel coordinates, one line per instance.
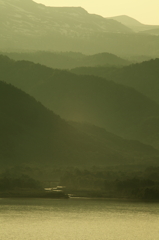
(133, 23)
(33, 135)
(28, 21)
(68, 60)
(102, 59)
(29, 18)
(113, 141)
(143, 77)
(117, 108)
(26, 25)
(153, 31)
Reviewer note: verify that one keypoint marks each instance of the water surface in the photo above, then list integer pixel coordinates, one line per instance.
(78, 219)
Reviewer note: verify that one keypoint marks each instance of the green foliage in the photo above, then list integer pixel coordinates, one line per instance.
(21, 182)
(113, 183)
(24, 186)
(151, 194)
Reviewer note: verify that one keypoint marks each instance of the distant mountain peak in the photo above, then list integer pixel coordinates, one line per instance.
(70, 9)
(132, 23)
(26, 18)
(126, 20)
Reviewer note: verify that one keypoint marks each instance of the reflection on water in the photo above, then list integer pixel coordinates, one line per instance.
(77, 219)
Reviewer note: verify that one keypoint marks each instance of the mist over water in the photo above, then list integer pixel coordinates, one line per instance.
(47, 219)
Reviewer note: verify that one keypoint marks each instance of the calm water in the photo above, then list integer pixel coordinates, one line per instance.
(77, 219)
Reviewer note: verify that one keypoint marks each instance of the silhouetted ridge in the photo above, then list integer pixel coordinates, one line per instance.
(32, 134)
(65, 60)
(142, 76)
(27, 25)
(133, 23)
(119, 109)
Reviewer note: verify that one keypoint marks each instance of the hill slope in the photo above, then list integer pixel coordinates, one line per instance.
(71, 21)
(68, 60)
(153, 31)
(32, 134)
(144, 77)
(24, 22)
(26, 25)
(119, 109)
(133, 23)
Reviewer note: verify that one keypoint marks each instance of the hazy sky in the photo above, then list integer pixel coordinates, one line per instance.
(145, 11)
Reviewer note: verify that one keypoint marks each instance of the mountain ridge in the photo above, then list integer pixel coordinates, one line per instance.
(119, 109)
(34, 135)
(68, 60)
(141, 76)
(33, 26)
(127, 20)
(153, 31)
(52, 20)
(134, 24)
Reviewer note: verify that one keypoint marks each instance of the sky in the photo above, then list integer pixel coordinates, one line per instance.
(145, 11)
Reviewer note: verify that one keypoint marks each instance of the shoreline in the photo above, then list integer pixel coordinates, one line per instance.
(33, 194)
(67, 197)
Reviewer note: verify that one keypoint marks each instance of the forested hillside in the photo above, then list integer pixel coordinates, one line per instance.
(144, 76)
(117, 108)
(68, 60)
(33, 135)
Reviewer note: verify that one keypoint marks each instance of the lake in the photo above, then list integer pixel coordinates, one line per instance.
(78, 219)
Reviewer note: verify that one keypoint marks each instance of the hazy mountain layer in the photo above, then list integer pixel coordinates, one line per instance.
(128, 146)
(144, 77)
(68, 60)
(31, 26)
(119, 109)
(133, 23)
(30, 18)
(34, 135)
(154, 31)
(30, 21)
